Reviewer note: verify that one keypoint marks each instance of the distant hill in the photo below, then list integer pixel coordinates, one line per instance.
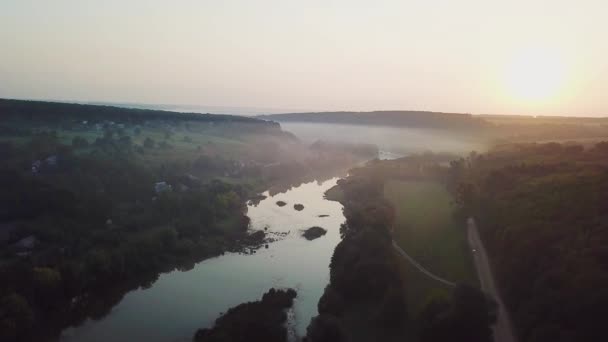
(415, 119)
(545, 120)
(49, 111)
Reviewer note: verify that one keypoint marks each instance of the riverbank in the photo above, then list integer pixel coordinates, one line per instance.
(364, 299)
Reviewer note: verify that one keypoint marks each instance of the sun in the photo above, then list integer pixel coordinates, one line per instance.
(535, 75)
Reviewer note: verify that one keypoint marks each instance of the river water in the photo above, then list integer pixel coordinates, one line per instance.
(180, 302)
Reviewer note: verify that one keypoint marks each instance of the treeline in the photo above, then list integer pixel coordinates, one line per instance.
(77, 225)
(50, 111)
(542, 213)
(414, 119)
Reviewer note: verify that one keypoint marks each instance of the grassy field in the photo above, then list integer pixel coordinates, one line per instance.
(425, 228)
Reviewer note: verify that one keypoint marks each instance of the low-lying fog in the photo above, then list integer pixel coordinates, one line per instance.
(397, 140)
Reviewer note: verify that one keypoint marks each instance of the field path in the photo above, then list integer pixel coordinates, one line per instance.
(503, 330)
(419, 267)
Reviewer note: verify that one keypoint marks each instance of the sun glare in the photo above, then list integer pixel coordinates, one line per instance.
(535, 75)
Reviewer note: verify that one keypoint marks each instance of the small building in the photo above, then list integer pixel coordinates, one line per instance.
(51, 160)
(36, 166)
(26, 244)
(162, 187)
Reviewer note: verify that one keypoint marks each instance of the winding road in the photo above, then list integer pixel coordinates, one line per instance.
(503, 329)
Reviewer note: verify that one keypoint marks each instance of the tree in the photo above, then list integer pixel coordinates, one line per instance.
(125, 140)
(46, 278)
(393, 310)
(149, 143)
(464, 317)
(16, 317)
(108, 134)
(79, 142)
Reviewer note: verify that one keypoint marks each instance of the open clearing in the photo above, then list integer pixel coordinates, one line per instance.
(426, 229)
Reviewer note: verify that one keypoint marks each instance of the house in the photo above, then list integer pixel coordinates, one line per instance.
(51, 160)
(26, 244)
(36, 166)
(162, 187)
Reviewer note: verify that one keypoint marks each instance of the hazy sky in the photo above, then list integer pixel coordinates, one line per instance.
(479, 56)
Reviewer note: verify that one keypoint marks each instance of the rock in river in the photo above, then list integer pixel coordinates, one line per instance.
(298, 207)
(281, 203)
(314, 233)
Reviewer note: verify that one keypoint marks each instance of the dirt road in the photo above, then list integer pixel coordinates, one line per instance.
(420, 268)
(503, 329)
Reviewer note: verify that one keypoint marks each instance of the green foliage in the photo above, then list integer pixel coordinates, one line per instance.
(164, 145)
(464, 317)
(16, 316)
(98, 223)
(79, 142)
(541, 212)
(149, 143)
(364, 275)
(46, 278)
(426, 228)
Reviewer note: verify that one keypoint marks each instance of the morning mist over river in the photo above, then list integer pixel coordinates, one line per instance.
(303, 171)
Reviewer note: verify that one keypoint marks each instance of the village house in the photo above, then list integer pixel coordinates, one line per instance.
(162, 187)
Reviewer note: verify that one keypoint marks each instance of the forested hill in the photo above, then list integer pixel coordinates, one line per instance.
(51, 111)
(416, 119)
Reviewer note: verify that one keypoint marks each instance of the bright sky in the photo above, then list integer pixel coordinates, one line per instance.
(478, 56)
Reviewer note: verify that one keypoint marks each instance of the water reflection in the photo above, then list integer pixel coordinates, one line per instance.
(179, 302)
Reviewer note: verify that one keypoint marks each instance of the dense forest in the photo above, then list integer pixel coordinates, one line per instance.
(51, 111)
(74, 224)
(541, 209)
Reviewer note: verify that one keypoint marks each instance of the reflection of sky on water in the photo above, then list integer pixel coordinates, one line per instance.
(181, 302)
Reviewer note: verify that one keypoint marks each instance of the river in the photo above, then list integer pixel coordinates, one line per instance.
(180, 302)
